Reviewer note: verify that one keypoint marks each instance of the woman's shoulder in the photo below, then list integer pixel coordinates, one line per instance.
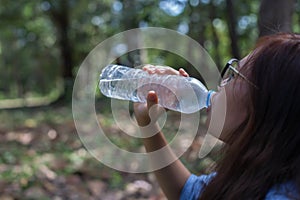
(194, 186)
(284, 191)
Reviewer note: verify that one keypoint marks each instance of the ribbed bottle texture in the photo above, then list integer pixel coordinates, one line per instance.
(182, 94)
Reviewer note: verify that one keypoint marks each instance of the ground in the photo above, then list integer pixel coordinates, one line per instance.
(43, 158)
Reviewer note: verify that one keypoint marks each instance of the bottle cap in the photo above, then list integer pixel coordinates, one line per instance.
(210, 92)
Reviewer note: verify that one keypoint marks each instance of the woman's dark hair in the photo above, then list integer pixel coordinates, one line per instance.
(265, 151)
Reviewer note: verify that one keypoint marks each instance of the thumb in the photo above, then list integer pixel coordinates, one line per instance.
(154, 110)
(152, 99)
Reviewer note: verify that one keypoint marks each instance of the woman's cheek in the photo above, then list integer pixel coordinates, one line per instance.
(217, 113)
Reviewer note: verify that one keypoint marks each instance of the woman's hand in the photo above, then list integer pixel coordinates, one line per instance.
(151, 69)
(148, 113)
(172, 177)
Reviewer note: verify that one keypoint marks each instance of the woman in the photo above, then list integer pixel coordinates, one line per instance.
(262, 129)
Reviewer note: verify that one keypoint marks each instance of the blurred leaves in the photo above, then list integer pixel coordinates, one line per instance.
(41, 154)
(31, 52)
(43, 158)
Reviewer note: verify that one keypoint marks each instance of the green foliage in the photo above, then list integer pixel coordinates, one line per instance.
(30, 38)
(32, 65)
(116, 180)
(12, 119)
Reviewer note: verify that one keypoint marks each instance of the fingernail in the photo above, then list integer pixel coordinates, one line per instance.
(151, 96)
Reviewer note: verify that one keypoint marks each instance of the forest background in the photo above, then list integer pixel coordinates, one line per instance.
(42, 45)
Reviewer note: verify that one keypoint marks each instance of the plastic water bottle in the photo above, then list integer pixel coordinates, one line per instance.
(178, 93)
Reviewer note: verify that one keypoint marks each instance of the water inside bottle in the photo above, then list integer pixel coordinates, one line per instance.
(114, 88)
(182, 94)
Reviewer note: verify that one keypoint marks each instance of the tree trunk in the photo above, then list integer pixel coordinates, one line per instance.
(59, 14)
(197, 29)
(231, 23)
(130, 21)
(215, 39)
(275, 16)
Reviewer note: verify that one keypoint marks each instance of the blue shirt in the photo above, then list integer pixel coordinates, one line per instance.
(195, 184)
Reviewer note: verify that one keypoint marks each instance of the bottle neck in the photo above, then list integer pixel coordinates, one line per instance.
(208, 101)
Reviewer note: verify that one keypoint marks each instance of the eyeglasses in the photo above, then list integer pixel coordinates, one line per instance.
(230, 71)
